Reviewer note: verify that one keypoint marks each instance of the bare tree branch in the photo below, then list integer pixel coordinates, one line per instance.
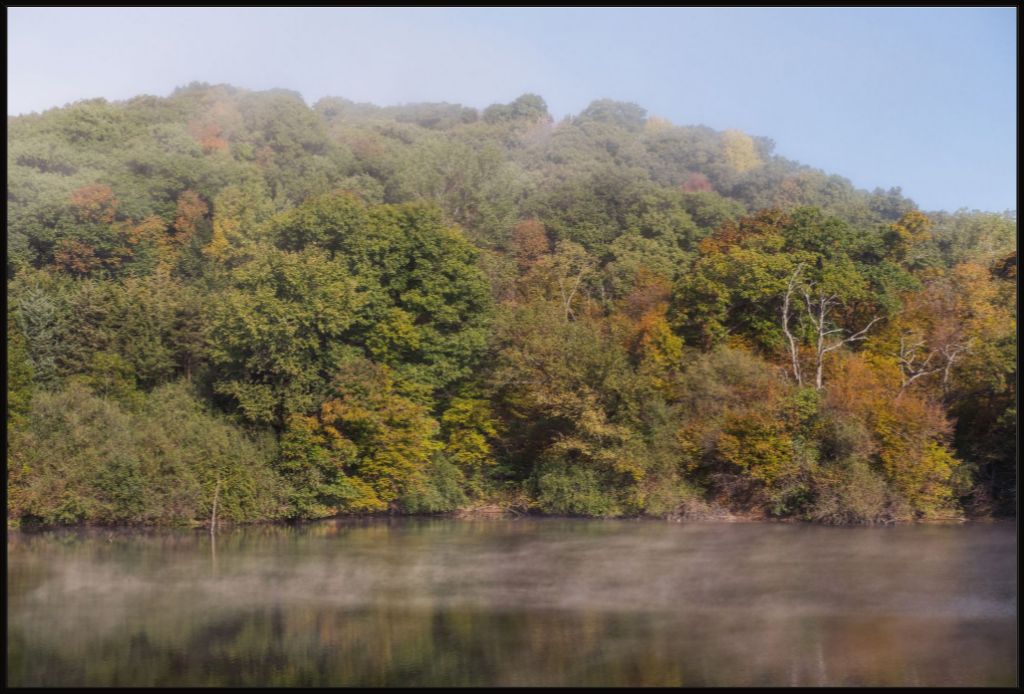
(910, 370)
(951, 352)
(793, 352)
(819, 319)
(829, 338)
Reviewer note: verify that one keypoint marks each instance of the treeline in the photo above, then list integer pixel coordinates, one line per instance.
(306, 312)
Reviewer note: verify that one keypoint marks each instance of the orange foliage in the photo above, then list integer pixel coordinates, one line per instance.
(191, 210)
(859, 386)
(95, 203)
(209, 136)
(75, 257)
(696, 183)
(152, 229)
(213, 130)
(652, 292)
(642, 319)
(530, 242)
(792, 191)
(735, 233)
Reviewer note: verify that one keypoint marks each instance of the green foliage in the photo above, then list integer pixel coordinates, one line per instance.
(576, 404)
(973, 236)
(527, 107)
(313, 465)
(110, 376)
(619, 113)
(84, 459)
(710, 210)
(414, 308)
(40, 319)
(421, 302)
(574, 491)
(276, 333)
(735, 285)
(442, 489)
(19, 376)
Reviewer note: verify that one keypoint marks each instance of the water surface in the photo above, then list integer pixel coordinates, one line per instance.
(515, 602)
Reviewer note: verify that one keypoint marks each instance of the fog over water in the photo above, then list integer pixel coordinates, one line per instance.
(523, 601)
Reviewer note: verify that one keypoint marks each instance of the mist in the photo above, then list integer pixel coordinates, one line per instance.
(742, 599)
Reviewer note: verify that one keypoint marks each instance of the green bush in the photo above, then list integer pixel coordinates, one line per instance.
(83, 459)
(574, 491)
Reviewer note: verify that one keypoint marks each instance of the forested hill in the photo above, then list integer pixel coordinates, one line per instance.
(305, 312)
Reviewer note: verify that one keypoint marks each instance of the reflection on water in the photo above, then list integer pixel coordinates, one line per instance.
(519, 602)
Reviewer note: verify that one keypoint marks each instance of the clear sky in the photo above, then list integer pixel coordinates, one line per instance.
(921, 98)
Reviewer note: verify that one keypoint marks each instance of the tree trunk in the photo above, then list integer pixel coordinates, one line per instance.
(213, 517)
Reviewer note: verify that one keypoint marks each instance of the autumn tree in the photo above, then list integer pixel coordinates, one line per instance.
(364, 449)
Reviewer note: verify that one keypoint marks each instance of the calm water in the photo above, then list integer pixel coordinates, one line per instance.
(517, 602)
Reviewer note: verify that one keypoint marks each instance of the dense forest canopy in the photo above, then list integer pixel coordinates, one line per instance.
(311, 311)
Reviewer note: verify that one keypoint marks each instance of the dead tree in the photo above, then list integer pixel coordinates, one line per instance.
(950, 352)
(567, 287)
(573, 267)
(213, 516)
(828, 338)
(794, 353)
(912, 367)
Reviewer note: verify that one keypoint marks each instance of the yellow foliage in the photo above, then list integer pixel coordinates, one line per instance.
(918, 467)
(913, 228)
(740, 152)
(470, 426)
(909, 431)
(758, 445)
(218, 248)
(656, 124)
(662, 346)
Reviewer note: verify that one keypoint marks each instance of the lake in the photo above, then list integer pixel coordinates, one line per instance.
(426, 601)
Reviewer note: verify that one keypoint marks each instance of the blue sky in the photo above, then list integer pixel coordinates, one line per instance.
(920, 98)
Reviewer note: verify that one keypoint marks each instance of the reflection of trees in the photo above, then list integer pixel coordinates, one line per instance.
(449, 604)
(386, 647)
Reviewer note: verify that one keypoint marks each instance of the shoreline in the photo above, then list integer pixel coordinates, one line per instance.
(463, 516)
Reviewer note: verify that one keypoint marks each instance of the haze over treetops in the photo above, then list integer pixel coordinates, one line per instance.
(920, 97)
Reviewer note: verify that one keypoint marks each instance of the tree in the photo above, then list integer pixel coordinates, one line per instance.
(238, 213)
(469, 427)
(586, 428)
(423, 301)
(95, 203)
(191, 211)
(734, 282)
(367, 446)
(827, 336)
(619, 113)
(327, 277)
(529, 242)
(86, 459)
(739, 151)
(276, 334)
(19, 375)
(41, 320)
(527, 107)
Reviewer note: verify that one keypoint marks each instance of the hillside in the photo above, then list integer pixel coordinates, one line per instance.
(310, 311)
